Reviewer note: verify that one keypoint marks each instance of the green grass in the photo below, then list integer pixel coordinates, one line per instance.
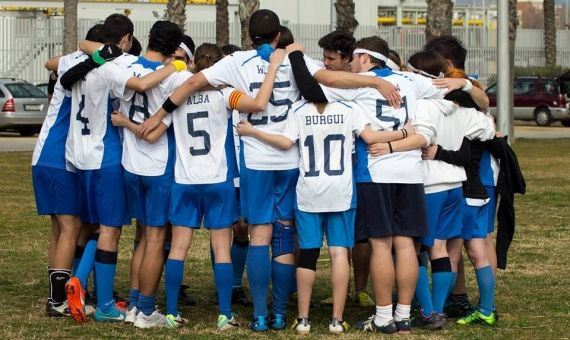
(533, 294)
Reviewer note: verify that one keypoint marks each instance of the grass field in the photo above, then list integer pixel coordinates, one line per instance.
(533, 294)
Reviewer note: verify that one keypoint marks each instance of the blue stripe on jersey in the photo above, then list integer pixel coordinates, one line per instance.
(148, 63)
(343, 103)
(53, 150)
(361, 172)
(485, 169)
(171, 150)
(297, 109)
(247, 60)
(112, 146)
(230, 150)
(382, 72)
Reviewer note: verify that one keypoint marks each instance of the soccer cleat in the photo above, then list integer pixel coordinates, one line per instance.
(76, 299)
(364, 299)
(404, 326)
(115, 315)
(239, 297)
(458, 306)
(477, 316)
(302, 326)
(90, 310)
(131, 314)
(434, 321)
(259, 324)
(150, 321)
(369, 325)
(57, 310)
(277, 321)
(338, 327)
(224, 323)
(172, 321)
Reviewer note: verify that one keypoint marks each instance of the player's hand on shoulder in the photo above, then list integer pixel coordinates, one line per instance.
(449, 83)
(276, 58)
(390, 92)
(294, 47)
(428, 153)
(244, 128)
(378, 149)
(117, 118)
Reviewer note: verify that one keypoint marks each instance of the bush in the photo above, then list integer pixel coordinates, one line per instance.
(543, 71)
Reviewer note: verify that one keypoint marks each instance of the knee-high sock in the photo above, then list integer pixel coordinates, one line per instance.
(423, 294)
(238, 253)
(77, 258)
(85, 265)
(440, 279)
(283, 276)
(105, 266)
(258, 272)
(451, 284)
(147, 304)
(486, 282)
(134, 295)
(223, 273)
(174, 273)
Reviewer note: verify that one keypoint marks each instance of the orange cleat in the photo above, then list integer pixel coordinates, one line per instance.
(76, 299)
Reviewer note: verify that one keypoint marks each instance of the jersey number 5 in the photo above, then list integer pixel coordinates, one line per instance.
(381, 102)
(198, 133)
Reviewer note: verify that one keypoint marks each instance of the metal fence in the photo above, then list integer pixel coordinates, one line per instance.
(26, 43)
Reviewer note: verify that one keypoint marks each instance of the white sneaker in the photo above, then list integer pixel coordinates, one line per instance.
(89, 310)
(150, 321)
(131, 314)
(302, 326)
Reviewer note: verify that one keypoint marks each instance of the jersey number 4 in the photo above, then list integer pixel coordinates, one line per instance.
(310, 145)
(85, 120)
(198, 133)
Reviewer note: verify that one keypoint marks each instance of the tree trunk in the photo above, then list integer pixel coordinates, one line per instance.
(176, 12)
(222, 23)
(246, 9)
(345, 20)
(513, 24)
(70, 26)
(549, 33)
(439, 18)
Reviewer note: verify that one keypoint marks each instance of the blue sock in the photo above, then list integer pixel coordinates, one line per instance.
(133, 297)
(283, 276)
(77, 258)
(223, 273)
(258, 272)
(423, 294)
(174, 273)
(440, 280)
(238, 253)
(146, 304)
(105, 266)
(486, 282)
(452, 284)
(85, 265)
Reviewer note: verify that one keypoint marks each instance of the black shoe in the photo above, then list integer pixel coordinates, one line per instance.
(57, 310)
(404, 326)
(458, 306)
(239, 297)
(184, 298)
(369, 325)
(434, 321)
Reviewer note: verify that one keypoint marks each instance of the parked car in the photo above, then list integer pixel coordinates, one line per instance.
(542, 99)
(43, 87)
(24, 106)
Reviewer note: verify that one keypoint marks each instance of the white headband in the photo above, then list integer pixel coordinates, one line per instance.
(376, 55)
(187, 50)
(392, 65)
(423, 73)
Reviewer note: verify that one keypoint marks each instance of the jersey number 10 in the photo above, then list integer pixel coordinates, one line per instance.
(310, 145)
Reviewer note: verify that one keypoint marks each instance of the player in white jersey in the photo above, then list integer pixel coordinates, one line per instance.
(55, 184)
(267, 174)
(94, 148)
(204, 171)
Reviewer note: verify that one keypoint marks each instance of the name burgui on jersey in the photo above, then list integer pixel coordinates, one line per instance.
(323, 120)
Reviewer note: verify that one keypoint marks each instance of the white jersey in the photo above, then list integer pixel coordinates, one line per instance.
(50, 145)
(325, 144)
(205, 150)
(397, 167)
(139, 156)
(246, 71)
(235, 122)
(93, 142)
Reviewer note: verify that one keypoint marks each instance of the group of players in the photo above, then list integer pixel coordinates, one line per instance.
(384, 158)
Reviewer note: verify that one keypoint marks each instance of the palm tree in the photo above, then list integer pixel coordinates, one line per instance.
(246, 9)
(222, 23)
(345, 20)
(549, 33)
(176, 12)
(70, 26)
(439, 18)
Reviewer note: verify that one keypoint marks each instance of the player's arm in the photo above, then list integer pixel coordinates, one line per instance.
(278, 141)
(77, 72)
(89, 47)
(52, 64)
(118, 119)
(372, 136)
(154, 78)
(411, 143)
(244, 103)
(479, 96)
(308, 86)
(461, 157)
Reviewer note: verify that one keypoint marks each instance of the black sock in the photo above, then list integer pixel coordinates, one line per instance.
(57, 280)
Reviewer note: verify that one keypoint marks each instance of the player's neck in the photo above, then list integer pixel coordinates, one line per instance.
(154, 56)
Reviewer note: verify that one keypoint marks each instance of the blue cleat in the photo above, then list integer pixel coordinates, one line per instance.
(259, 324)
(115, 315)
(278, 322)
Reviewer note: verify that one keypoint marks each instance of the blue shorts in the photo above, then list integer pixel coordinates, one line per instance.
(443, 215)
(337, 226)
(491, 207)
(104, 197)
(213, 203)
(149, 198)
(267, 195)
(237, 209)
(56, 191)
(474, 220)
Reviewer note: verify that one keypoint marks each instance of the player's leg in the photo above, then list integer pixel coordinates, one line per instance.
(238, 251)
(490, 210)
(139, 246)
(383, 275)
(54, 237)
(62, 261)
(406, 277)
(361, 267)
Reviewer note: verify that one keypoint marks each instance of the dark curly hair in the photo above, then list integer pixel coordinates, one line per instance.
(164, 37)
(339, 41)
